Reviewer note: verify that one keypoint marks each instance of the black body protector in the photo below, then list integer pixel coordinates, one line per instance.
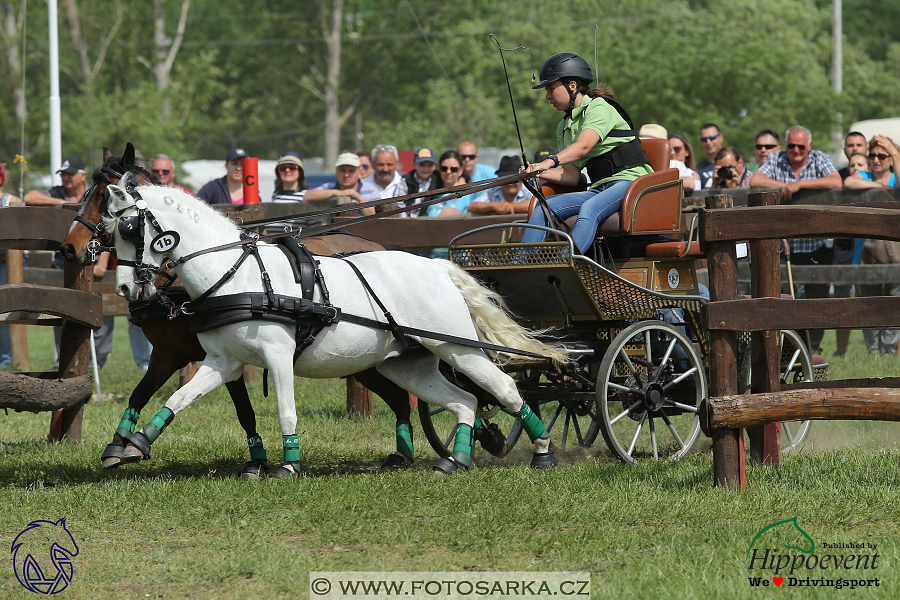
(567, 66)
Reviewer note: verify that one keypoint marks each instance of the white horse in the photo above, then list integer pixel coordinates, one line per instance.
(429, 295)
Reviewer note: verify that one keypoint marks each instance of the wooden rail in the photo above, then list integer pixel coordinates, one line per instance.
(726, 412)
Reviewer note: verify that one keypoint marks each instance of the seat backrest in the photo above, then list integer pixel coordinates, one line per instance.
(658, 152)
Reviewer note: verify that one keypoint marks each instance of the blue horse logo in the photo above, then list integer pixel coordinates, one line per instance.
(42, 556)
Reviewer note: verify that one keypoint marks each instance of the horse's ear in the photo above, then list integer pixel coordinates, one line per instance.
(118, 199)
(128, 156)
(107, 154)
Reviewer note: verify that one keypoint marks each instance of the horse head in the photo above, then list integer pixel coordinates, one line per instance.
(126, 225)
(85, 231)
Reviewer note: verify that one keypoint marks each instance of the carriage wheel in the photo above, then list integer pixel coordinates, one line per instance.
(796, 366)
(439, 428)
(649, 387)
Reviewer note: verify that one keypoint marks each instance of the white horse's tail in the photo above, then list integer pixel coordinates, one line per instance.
(492, 321)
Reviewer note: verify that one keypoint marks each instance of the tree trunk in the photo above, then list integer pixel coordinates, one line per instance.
(78, 39)
(333, 119)
(166, 49)
(9, 36)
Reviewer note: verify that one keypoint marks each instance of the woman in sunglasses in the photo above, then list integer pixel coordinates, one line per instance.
(596, 133)
(681, 150)
(450, 171)
(884, 155)
(290, 186)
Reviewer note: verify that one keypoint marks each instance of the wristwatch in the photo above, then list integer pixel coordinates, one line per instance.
(554, 158)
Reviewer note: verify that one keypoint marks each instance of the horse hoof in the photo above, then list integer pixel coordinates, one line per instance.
(445, 466)
(395, 462)
(139, 441)
(289, 470)
(255, 469)
(543, 460)
(112, 456)
(492, 440)
(132, 454)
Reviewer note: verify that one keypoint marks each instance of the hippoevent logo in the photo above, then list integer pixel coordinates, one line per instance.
(783, 554)
(42, 556)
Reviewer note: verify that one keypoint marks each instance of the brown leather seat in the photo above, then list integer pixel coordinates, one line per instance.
(652, 204)
(672, 249)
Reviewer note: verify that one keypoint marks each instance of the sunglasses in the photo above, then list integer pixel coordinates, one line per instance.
(468, 156)
(365, 165)
(881, 157)
(800, 147)
(677, 148)
(161, 171)
(766, 146)
(286, 168)
(709, 139)
(450, 169)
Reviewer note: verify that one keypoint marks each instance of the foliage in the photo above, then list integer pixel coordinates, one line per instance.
(424, 72)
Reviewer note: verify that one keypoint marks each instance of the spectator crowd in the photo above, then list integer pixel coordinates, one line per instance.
(363, 177)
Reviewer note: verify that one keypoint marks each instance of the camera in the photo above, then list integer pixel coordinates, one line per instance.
(726, 172)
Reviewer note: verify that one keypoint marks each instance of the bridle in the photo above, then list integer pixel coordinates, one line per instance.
(100, 240)
(133, 228)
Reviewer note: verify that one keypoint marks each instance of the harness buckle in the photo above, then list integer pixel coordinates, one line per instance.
(184, 309)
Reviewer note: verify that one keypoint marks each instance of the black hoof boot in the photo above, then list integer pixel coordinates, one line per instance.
(395, 462)
(255, 469)
(289, 470)
(492, 440)
(138, 448)
(543, 460)
(446, 466)
(112, 456)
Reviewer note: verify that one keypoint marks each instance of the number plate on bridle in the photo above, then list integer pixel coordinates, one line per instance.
(165, 241)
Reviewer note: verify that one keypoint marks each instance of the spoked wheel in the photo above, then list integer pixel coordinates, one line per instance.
(439, 428)
(649, 388)
(796, 366)
(568, 410)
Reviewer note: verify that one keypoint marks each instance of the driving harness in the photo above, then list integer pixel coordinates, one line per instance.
(308, 316)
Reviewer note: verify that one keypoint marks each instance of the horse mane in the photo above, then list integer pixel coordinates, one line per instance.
(117, 163)
(198, 205)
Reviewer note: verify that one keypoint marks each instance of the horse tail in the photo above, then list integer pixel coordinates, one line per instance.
(492, 319)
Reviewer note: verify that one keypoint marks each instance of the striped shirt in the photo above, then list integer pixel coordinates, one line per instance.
(818, 165)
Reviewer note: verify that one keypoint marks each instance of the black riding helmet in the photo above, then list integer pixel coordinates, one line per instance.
(565, 67)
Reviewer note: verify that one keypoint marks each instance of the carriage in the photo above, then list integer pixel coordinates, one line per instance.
(629, 315)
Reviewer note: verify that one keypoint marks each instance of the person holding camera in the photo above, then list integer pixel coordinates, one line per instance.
(730, 171)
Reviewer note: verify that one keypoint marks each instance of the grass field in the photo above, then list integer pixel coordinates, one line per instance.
(183, 526)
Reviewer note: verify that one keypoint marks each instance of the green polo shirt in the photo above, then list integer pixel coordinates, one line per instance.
(596, 114)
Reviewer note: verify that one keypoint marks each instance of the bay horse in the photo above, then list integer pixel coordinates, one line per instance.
(174, 347)
(425, 294)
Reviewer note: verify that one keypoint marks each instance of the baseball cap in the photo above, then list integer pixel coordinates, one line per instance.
(542, 154)
(71, 165)
(347, 158)
(290, 158)
(236, 154)
(424, 155)
(652, 131)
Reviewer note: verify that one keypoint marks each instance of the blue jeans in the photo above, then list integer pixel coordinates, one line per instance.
(140, 346)
(592, 207)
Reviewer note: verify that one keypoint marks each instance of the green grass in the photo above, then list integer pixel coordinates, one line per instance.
(182, 525)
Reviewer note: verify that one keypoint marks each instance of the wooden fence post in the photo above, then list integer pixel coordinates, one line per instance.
(359, 400)
(18, 337)
(765, 282)
(74, 357)
(728, 445)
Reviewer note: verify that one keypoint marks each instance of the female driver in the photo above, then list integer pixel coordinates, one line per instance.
(595, 133)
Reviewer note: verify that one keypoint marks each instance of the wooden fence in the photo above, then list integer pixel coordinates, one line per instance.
(725, 412)
(73, 306)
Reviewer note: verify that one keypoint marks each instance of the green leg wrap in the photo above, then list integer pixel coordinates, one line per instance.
(531, 423)
(291, 445)
(462, 446)
(158, 424)
(478, 422)
(257, 452)
(128, 422)
(405, 439)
